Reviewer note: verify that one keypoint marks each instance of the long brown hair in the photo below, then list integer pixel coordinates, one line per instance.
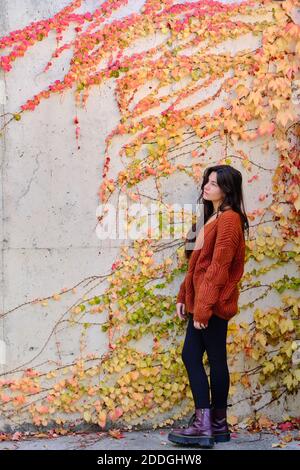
(229, 180)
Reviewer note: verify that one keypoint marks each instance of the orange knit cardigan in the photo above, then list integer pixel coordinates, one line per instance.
(210, 285)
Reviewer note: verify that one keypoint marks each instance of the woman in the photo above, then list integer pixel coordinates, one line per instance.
(208, 298)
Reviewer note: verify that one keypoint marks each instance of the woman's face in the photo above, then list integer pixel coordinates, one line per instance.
(211, 191)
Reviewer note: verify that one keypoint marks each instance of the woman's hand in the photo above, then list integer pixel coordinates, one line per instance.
(180, 310)
(199, 326)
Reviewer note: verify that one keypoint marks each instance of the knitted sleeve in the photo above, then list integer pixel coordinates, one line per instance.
(216, 276)
(181, 293)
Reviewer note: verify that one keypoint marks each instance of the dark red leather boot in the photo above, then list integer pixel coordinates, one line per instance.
(219, 425)
(198, 433)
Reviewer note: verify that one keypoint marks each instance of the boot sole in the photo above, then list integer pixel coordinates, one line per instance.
(222, 437)
(192, 440)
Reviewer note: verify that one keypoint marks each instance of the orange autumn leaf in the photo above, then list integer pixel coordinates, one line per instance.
(265, 422)
(232, 420)
(266, 127)
(116, 434)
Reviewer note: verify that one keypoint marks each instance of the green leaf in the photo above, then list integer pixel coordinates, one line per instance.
(114, 73)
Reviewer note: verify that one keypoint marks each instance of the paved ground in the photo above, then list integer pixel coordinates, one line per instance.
(143, 440)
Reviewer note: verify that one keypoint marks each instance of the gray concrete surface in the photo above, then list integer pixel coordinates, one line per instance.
(148, 440)
(46, 182)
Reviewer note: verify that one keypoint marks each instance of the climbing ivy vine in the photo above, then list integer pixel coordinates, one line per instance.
(252, 102)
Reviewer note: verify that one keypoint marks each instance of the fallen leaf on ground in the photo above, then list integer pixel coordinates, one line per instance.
(286, 426)
(279, 444)
(116, 433)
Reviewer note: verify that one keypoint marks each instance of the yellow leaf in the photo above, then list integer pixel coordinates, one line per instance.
(268, 230)
(269, 367)
(162, 141)
(279, 242)
(146, 372)
(270, 240)
(116, 433)
(277, 209)
(288, 381)
(265, 422)
(260, 241)
(232, 420)
(255, 97)
(229, 124)
(297, 374)
(134, 375)
(137, 396)
(195, 74)
(242, 91)
(261, 338)
(286, 325)
(283, 117)
(102, 417)
(87, 416)
(276, 103)
(255, 354)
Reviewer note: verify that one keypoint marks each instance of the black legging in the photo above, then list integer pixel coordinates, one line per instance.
(212, 340)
